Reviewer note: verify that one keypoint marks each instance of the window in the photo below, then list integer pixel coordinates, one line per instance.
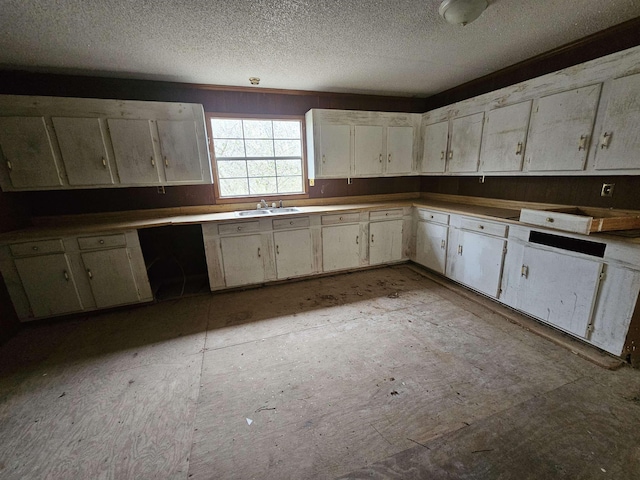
(258, 157)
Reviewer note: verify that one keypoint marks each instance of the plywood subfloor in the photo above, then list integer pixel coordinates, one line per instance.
(375, 374)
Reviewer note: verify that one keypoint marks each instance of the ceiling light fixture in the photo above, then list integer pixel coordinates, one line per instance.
(254, 80)
(461, 12)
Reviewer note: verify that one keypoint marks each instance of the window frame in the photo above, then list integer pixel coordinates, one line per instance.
(252, 198)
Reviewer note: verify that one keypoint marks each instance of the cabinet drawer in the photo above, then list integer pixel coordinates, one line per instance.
(239, 227)
(383, 214)
(340, 218)
(102, 241)
(484, 227)
(37, 248)
(298, 222)
(430, 216)
(557, 220)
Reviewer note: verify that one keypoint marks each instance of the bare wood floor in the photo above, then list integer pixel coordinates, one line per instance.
(375, 374)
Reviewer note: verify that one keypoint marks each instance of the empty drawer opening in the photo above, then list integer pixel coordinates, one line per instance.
(595, 249)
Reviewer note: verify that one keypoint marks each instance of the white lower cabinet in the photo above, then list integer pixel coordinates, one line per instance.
(243, 259)
(385, 242)
(294, 253)
(111, 277)
(340, 247)
(49, 284)
(432, 232)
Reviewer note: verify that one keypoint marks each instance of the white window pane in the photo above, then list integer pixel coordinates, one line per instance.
(225, 128)
(259, 148)
(229, 148)
(261, 168)
(286, 129)
(257, 129)
(232, 169)
(290, 184)
(263, 186)
(289, 167)
(287, 148)
(233, 187)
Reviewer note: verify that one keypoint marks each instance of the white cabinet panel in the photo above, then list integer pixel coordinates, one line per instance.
(133, 150)
(335, 150)
(368, 150)
(180, 155)
(476, 260)
(385, 242)
(243, 259)
(466, 136)
(559, 289)
(431, 245)
(49, 284)
(435, 147)
(28, 152)
(340, 247)
(111, 277)
(561, 128)
(83, 151)
(619, 144)
(399, 150)
(504, 138)
(294, 253)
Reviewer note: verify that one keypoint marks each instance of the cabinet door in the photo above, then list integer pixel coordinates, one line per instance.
(385, 242)
(335, 151)
(340, 247)
(28, 152)
(180, 154)
(83, 151)
(111, 277)
(294, 253)
(243, 259)
(49, 284)
(561, 128)
(466, 136)
(368, 150)
(620, 140)
(133, 150)
(476, 260)
(559, 289)
(435, 147)
(399, 150)
(504, 138)
(431, 246)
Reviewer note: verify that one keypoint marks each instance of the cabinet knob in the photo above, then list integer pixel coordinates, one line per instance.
(291, 222)
(153, 162)
(550, 219)
(443, 243)
(430, 216)
(9, 166)
(357, 239)
(66, 275)
(380, 158)
(101, 242)
(450, 154)
(89, 274)
(35, 249)
(606, 138)
(239, 229)
(166, 162)
(386, 214)
(372, 238)
(481, 227)
(389, 158)
(104, 162)
(524, 271)
(442, 155)
(277, 249)
(340, 218)
(259, 255)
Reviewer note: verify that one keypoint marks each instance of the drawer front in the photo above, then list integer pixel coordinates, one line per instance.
(340, 218)
(37, 248)
(556, 220)
(282, 223)
(383, 214)
(431, 216)
(478, 225)
(102, 241)
(238, 227)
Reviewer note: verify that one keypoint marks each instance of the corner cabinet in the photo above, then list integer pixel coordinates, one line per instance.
(56, 276)
(49, 143)
(346, 144)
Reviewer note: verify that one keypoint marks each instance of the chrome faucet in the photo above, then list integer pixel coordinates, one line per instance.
(263, 204)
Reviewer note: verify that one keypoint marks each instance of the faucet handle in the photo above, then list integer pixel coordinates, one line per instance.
(280, 203)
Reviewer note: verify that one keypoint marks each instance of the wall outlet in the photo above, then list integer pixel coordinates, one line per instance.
(161, 190)
(607, 190)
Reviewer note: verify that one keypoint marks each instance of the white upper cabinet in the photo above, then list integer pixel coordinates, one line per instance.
(561, 129)
(180, 155)
(83, 150)
(505, 138)
(400, 150)
(619, 143)
(466, 136)
(53, 143)
(133, 151)
(335, 151)
(434, 151)
(368, 149)
(28, 158)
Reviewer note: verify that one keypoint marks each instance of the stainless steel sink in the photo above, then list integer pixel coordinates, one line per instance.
(266, 211)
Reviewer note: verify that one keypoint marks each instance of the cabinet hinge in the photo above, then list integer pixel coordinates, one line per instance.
(602, 275)
(504, 250)
(129, 254)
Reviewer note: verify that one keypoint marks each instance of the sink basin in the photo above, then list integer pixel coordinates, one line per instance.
(266, 211)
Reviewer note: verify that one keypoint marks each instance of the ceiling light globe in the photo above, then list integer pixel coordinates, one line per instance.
(461, 12)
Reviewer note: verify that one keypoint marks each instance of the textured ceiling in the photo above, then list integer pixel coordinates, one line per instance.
(385, 47)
